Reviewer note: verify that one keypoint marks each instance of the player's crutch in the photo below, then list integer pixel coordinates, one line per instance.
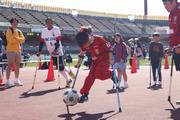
(117, 91)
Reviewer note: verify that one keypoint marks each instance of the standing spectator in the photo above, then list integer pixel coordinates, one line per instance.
(138, 52)
(14, 39)
(156, 52)
(1, 57)
(120, 58)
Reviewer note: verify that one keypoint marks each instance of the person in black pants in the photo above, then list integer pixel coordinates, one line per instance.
(156, 53)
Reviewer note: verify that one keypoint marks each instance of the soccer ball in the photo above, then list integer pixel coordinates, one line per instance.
(70, 97)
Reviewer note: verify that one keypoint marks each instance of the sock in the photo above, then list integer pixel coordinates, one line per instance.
(64, 75)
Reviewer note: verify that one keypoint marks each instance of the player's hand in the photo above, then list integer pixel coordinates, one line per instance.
(77, 66)
(55, 52)
(168, 50)
(38, 54)
(122, 61)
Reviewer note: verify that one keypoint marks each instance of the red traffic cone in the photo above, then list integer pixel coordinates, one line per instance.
(39, 64)
(133, 67)
(166, 62)
(50, 76)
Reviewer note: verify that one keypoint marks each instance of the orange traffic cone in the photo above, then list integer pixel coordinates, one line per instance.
(50, 76)
(166, 63)
(133, 67)
(39, 64)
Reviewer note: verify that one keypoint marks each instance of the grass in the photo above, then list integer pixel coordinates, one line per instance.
(143, 62)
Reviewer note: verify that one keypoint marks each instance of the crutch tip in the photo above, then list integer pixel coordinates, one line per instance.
(120, 110)
(169, 98)
(59, 88)
(32, 87)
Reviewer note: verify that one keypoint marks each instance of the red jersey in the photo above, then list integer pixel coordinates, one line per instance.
(99, 49)
(174, 24)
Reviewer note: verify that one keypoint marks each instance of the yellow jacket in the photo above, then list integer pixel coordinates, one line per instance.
(14, 40)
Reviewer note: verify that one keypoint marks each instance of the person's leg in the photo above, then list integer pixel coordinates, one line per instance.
(102, 71)
(123, 69)
(62, 70)
(176, 61)
(89, 81)
(154, 71)
(17, 67)
(119, 74)
(159, 73)
(138, 62)
(55, 62)
(1, 71)
(11, 61)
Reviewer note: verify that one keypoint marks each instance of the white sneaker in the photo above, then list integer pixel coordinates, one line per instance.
(18, 83)
(8, 83)
(125, 85)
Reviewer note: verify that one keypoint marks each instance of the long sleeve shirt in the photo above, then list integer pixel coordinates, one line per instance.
(156, 51)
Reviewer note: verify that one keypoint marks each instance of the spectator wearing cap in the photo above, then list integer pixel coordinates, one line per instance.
(156, 53)
(14, 39)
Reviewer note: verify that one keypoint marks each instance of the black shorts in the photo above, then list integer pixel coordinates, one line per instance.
(61, 62)
(177, 61)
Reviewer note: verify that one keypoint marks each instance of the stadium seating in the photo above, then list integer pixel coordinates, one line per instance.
(70, 24)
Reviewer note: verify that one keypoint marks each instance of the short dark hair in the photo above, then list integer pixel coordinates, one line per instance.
(12, 20)
(82, 38)
(87, 29)
(169, 1)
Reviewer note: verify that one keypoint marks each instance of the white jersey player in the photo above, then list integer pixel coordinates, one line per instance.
(51, 36)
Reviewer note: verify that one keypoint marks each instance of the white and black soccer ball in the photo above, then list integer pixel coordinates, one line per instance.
(70, 97)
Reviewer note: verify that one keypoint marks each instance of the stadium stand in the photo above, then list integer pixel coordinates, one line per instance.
(31, 19)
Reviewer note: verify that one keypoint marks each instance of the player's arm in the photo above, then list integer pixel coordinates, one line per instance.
(58, 38)
(106, 47)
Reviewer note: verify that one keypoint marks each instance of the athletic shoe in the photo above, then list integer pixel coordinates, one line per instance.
(83, 98)
(158, 84)
(178, 102)
(18, 83)
(125, 85)
(68, 83)
(8, 83)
